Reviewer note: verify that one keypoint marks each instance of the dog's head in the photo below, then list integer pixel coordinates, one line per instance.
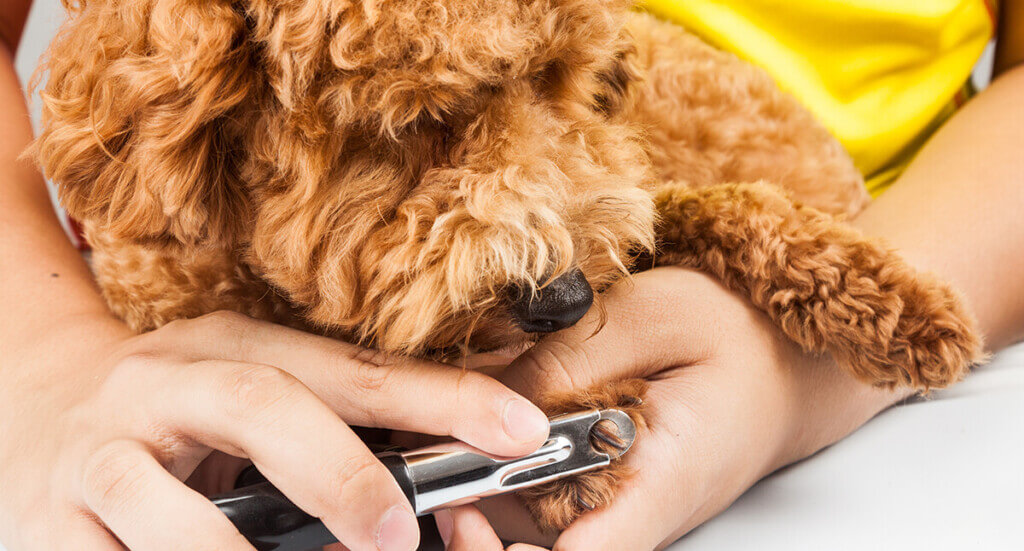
(415, 173)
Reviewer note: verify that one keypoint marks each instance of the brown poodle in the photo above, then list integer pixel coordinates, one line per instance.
(434, 176)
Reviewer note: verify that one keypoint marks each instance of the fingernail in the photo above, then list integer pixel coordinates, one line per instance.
(445, 525)
(524, 422)
(398, 530)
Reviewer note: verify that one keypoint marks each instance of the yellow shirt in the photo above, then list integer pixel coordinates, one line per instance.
(880, 74)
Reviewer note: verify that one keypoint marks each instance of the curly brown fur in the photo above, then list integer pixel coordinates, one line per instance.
(193, 280)
(825, 285)
(711, 118)
(384, 170)
(557, 504)
(387, 167)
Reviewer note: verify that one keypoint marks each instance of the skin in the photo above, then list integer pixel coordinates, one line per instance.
(127, 417)
(1010, 50)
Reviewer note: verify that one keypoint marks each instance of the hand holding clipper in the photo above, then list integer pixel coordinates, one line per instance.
(436, 477)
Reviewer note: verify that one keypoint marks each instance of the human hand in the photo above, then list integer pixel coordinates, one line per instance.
(730, 400)
(98, 427)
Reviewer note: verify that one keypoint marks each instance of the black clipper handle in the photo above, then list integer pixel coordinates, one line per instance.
(271, 522)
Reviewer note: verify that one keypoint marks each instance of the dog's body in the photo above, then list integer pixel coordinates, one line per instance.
(386, 173)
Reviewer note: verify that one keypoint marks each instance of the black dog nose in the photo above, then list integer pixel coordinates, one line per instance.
(560, 304)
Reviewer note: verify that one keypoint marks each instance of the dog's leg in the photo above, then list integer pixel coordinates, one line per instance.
(828, 287)
(150, 284)
(555, 505)
(712, 118)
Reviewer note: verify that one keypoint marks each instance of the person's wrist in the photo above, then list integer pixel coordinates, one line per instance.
(810, 401)
(783, 403)
(65, 348)
(92, 327)
(89, 315)
(827, 404)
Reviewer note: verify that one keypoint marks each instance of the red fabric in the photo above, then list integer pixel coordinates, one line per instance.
(77, 235)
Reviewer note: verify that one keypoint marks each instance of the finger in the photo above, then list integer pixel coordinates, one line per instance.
(466, 529)
(648, 505)
(298, 443)
(632, 521)
(509, 517)
(633, 525)
(147, 508)
(217, 473)
(684, 467)
(368, 388)
(84, 531)
(643, 332)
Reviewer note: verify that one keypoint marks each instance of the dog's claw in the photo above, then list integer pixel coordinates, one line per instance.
(608, 437)
(632, 401)
(584, 504)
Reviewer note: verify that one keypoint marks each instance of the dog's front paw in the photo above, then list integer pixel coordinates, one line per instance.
(557, 504)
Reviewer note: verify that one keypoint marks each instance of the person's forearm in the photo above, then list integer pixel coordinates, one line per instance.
(12, 21)
(43, 280)
(958, 211)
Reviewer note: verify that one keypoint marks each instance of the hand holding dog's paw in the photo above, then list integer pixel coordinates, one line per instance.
(728, 400)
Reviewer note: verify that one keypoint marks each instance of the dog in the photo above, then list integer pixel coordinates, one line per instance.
(429, 177)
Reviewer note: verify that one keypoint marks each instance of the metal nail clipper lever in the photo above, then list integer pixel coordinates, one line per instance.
(435, 478)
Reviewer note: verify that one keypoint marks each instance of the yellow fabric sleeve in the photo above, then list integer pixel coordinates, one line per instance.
(880, 74)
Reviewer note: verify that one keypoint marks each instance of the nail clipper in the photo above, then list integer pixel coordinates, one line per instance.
(437, 477)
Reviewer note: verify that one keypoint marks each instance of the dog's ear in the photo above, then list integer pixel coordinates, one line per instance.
(142, 130)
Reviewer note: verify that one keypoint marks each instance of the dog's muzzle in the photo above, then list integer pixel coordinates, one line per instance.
(559, 304)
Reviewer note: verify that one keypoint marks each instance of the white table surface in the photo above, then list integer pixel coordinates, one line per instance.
(946, 473)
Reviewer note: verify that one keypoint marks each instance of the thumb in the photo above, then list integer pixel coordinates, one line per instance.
(641, 327)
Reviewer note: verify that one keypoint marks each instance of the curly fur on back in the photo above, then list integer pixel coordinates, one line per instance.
(379, 165)
(385, 170)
